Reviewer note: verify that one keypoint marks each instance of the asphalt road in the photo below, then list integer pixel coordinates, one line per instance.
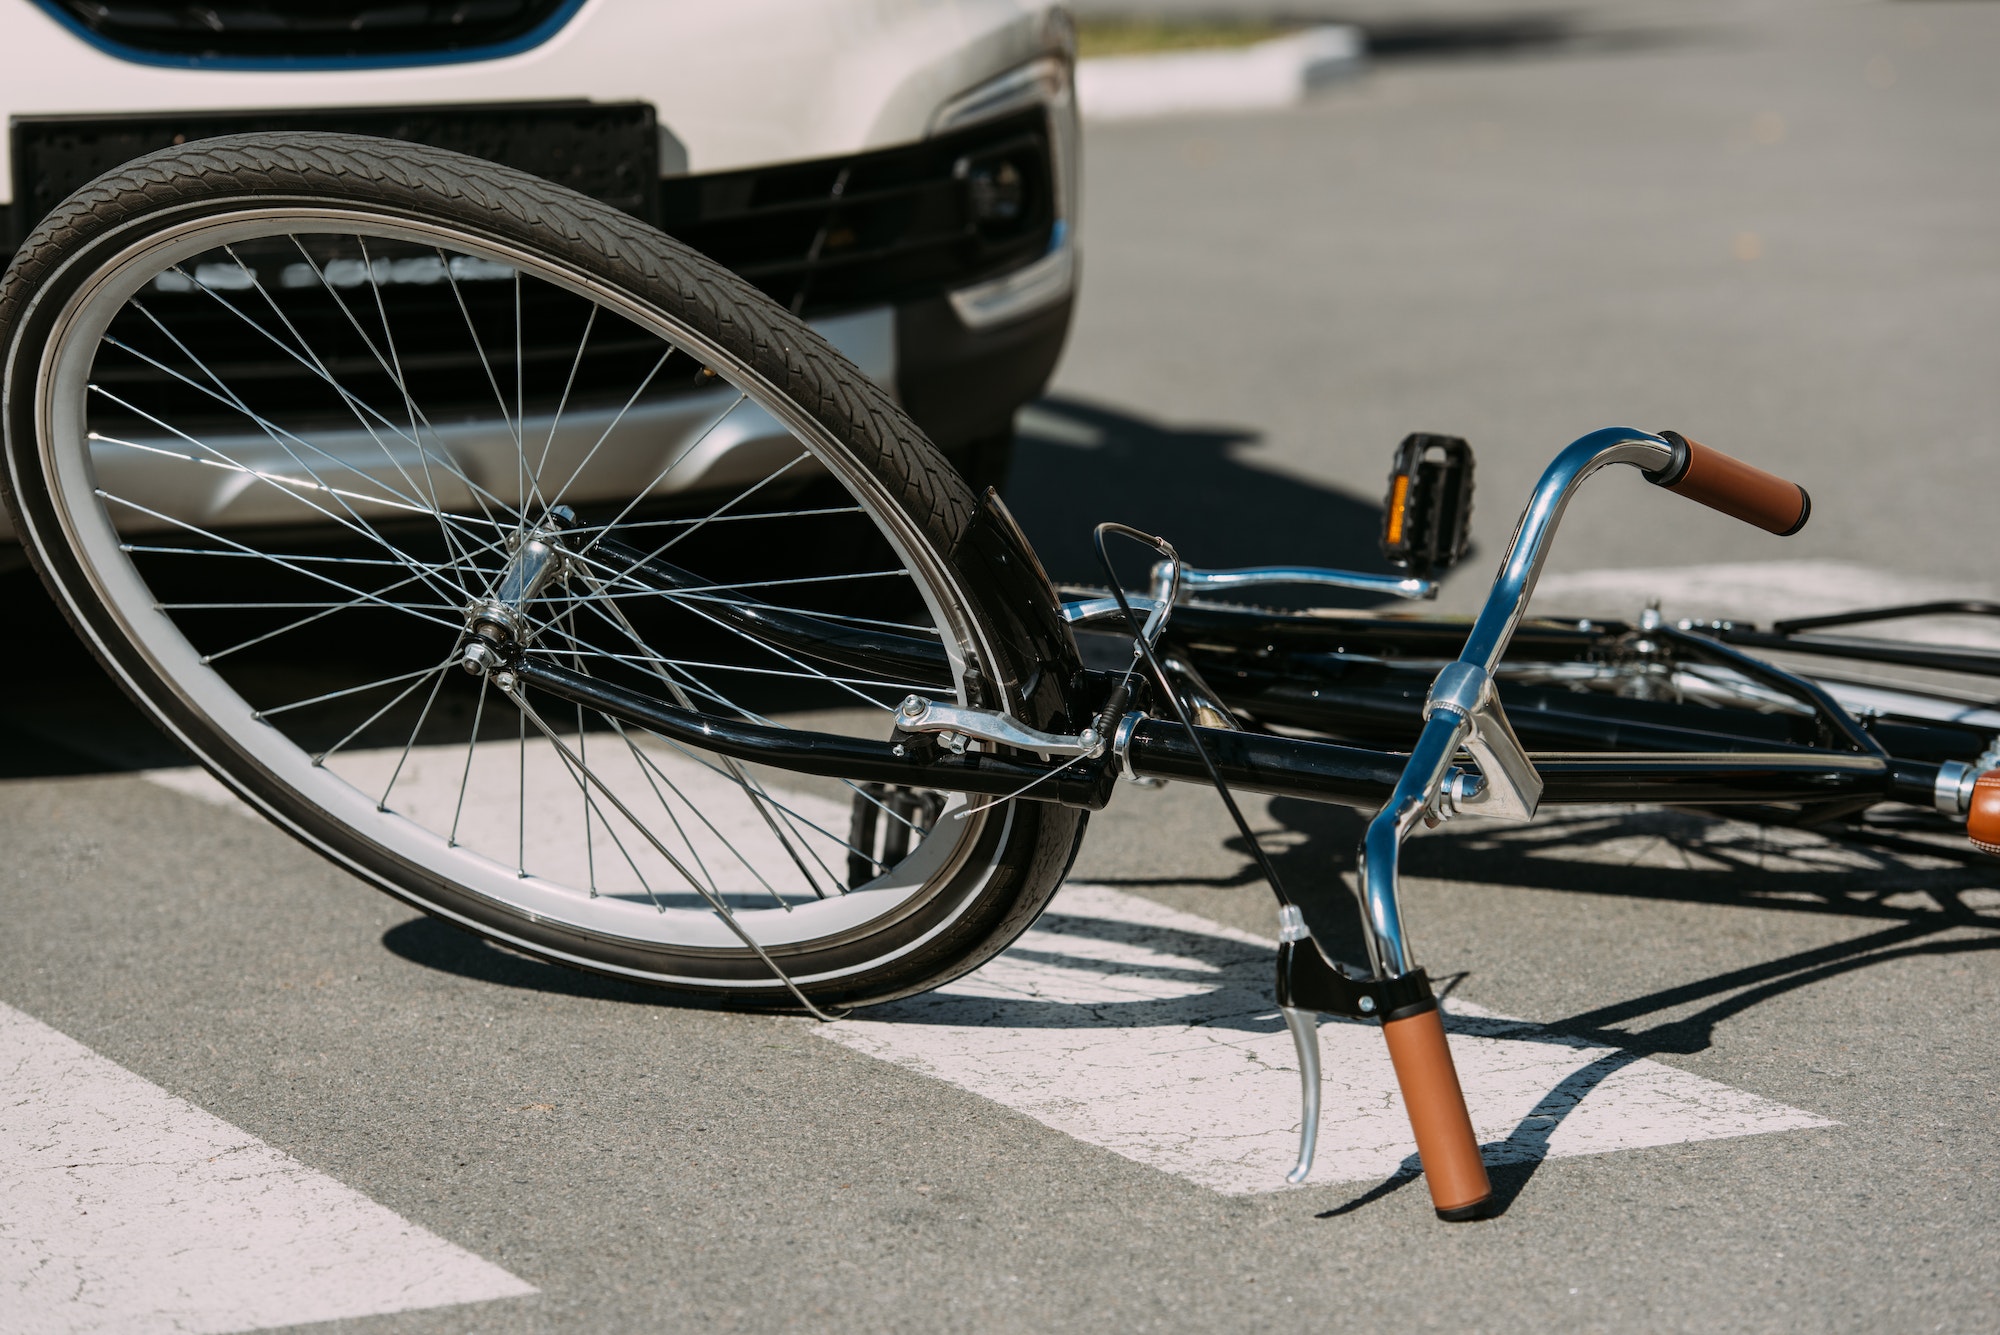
(1520, 245)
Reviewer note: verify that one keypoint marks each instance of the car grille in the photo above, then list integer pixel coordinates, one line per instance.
(274, 323)
(311, 29)
(842, 233)
(820, 237)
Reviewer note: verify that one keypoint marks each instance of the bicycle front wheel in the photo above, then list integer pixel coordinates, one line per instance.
(287, 416)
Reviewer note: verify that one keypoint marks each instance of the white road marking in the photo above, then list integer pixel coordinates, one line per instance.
(1766, 591)
(1151, 1033)
(123, 1208)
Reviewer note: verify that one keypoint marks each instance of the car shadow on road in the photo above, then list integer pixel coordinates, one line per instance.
(60, 714)
(1079, 462)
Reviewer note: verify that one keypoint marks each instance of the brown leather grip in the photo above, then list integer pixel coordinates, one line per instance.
(1734, 487)
(1453, 1168)
(1982, 818)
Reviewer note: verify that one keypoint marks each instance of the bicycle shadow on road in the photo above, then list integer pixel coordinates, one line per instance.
(1089, 968)
(1927, 893)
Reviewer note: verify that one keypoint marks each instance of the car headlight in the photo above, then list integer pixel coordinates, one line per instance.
(1045, 81)
(1001, 184)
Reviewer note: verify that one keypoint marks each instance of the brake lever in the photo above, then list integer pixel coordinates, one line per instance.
(1304, 1025)
(1309, 986)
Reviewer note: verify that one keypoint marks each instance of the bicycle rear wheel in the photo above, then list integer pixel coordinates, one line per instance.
(284, 413)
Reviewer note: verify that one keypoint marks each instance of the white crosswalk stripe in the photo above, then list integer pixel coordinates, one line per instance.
(124, 1209)
(1152, 1033)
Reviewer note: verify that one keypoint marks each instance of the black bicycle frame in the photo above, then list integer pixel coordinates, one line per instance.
(1255, 762)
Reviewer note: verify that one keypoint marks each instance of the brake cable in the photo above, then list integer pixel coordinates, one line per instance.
(1143, 649)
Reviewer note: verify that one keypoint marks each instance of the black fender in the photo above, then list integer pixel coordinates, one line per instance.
(1036, 662)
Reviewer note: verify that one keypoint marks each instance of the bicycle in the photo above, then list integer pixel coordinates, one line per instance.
(683, 657)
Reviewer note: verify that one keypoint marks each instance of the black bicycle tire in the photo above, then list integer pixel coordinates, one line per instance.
(1030, 851)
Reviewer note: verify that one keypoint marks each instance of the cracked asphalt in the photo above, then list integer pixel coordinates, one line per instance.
(1520, 245)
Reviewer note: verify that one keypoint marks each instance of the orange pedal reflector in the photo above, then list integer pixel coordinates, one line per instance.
(1399, 493)
(1982, 817)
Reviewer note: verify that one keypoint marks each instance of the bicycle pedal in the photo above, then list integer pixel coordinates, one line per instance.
(1427, 516)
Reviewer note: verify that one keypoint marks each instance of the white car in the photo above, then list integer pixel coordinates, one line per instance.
(899, 172)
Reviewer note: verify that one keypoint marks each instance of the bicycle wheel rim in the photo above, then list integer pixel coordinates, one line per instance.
(88, 529)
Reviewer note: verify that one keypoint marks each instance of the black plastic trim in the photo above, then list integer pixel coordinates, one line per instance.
(1675, 468)
(1805, 512)
(963, 385)
(1308, 980)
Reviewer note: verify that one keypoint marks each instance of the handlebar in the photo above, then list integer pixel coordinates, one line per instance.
(1668, 459)
(1732, 487)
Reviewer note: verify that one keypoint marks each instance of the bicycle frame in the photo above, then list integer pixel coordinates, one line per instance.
(988, 753)
(1677, 769)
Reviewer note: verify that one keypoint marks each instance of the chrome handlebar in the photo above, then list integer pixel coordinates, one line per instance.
(1194, 581)
(1463, 709)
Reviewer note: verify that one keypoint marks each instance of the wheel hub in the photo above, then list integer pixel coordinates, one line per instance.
(536, 560)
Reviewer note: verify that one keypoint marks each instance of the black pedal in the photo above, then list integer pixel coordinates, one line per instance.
(1427, 518)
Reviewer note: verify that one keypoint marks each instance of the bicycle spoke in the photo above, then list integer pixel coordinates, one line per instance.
(576, 363)
(409, 403)
(849, 684)
(366, 597)
(648, 770)
(300, 557)
(753, 790)
(479, 494)
(630, 525)
(741, 496)
(289, 607)
(302, 622)
(339, 694)
(598, 444)
(423, 717)
(465, 779)
(352, 520)
(648, 591)
(352, 401)
(391, 496)
(313, 596)
(664, 666)
(223, 394)
(589, 846)
(715, 902)
(401, 696)
(521, 814)
(686, 452)
(520, 404)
